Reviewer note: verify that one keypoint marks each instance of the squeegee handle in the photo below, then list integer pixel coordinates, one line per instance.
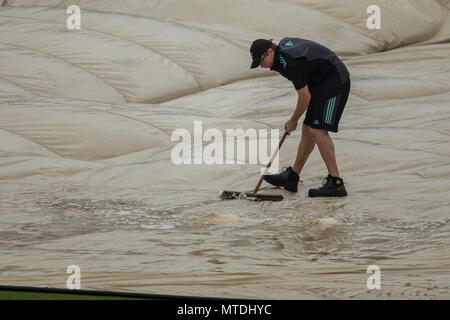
(270, 162)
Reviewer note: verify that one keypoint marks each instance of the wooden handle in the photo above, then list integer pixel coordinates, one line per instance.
(270, 162)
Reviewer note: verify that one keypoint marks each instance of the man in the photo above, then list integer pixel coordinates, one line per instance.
(323, 83)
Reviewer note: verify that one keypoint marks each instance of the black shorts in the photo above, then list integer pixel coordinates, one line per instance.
(326, 106)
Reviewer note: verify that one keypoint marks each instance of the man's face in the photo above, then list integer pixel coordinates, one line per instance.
(267, 58)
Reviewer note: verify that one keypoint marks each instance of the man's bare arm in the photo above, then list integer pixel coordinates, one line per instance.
(304, 97)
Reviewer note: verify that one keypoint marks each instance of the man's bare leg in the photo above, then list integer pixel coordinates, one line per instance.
(305, 147)
(326, 149)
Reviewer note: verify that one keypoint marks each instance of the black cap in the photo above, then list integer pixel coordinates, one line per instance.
(257, 50)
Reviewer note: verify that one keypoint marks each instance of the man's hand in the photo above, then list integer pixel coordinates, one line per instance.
(290, 125)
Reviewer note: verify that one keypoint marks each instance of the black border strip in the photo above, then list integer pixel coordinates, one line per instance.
(106, 293)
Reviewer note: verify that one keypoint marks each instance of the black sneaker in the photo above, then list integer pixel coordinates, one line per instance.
(287, 178)
(331, 187)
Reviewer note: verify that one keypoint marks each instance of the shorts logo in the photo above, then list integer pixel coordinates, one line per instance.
(288, 44)
(330, 109)
(316, 122)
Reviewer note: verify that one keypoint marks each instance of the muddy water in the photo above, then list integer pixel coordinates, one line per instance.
(297, 248)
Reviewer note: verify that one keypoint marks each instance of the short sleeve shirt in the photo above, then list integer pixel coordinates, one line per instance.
(306, 62)
(295, 70)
